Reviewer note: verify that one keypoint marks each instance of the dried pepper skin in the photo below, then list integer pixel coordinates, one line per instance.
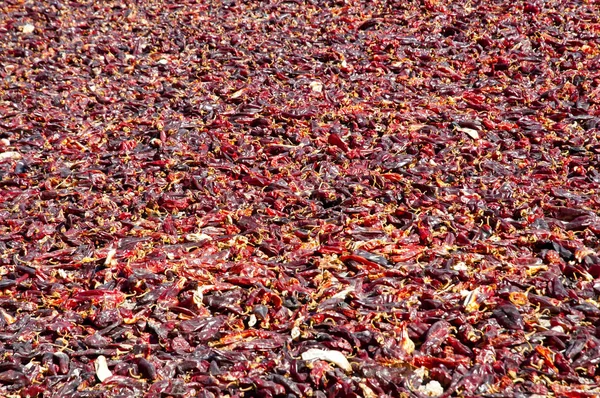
(509, 317)
(436, 336)
(299, 198)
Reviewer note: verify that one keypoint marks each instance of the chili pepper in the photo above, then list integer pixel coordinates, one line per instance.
(436, 335)
(509, 317)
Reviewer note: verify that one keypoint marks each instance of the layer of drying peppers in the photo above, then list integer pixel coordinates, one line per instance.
(299, 198)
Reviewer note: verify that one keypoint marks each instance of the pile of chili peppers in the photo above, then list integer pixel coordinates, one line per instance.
(299, 198)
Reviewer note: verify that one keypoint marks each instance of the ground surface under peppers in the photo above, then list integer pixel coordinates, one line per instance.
(199, 198)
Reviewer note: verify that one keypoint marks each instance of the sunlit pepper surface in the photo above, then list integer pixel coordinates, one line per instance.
(299, 198)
